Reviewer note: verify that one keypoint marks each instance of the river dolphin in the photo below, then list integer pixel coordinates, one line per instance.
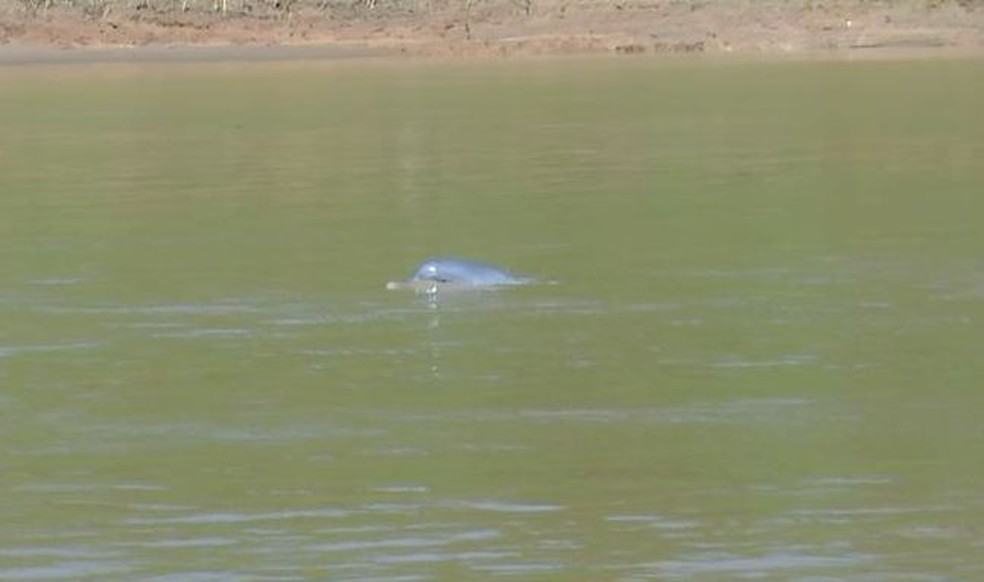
(455, 273)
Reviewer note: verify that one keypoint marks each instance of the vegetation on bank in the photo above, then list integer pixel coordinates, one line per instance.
(357, 8)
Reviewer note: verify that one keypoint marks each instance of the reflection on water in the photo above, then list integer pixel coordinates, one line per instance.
(761, 358)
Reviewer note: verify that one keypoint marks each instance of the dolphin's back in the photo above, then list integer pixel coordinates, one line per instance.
(464, 272)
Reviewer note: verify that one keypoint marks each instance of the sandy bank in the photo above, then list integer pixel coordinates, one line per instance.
(39, 31)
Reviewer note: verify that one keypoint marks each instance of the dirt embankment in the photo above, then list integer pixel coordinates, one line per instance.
(504, 27)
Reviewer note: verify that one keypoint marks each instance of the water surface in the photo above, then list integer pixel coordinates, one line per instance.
(761, 359)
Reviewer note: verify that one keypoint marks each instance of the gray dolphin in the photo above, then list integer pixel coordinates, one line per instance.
(452, 272)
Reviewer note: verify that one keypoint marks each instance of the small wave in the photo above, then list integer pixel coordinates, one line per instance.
(232, 517)
(8, 351)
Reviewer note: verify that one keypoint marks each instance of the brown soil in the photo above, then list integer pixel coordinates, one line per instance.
(29, 30)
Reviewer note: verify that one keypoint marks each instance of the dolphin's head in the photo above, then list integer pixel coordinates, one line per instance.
(434, 270)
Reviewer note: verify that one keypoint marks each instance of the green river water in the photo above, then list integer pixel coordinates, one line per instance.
(756, 350)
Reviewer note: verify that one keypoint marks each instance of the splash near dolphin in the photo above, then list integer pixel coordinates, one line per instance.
(456, 273)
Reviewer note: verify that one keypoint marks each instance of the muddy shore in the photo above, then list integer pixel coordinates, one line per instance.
(34, 31)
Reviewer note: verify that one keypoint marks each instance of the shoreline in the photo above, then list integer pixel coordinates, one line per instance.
(36, 55)
(28, 55)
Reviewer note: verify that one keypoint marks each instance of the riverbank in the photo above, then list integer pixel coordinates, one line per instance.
(43, 30)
